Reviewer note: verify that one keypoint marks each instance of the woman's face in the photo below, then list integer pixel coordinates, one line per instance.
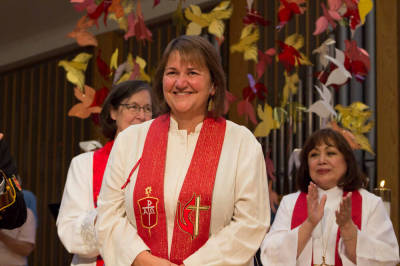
(132, 110)
(186, 87)
(326, 165)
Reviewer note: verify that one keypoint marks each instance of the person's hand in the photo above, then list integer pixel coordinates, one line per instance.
(145, 258)
(348, 229)
(273, 198)
(1, 135)
(315, 208)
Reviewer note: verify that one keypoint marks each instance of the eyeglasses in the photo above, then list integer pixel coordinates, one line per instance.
(135, 108)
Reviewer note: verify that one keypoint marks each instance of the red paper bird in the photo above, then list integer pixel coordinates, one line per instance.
(264, 59)
(99, 97)
(101, 8)
(357, 60)
(253, 17)
(287, 9)
(254, 89)
(102, 66)
(288, 56)
(137, 27)
(352, 13)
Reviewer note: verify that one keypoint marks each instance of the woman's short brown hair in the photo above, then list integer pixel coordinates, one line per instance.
(193, 49)
(353, 179)
(120, 92)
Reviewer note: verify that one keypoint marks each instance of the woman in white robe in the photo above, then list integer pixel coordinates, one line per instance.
(128, 103)
(328, 170)
(189, 76)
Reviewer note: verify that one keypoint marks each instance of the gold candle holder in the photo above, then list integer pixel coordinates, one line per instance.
(385, 194)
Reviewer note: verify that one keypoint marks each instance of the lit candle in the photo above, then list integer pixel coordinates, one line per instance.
(385, 194)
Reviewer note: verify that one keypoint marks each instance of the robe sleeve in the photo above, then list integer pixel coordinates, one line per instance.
(75, 221)
(237, 242)
(280, 244)
(118, 238)
(376, 242)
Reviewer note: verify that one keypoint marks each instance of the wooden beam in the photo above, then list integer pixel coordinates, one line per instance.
(387, 92)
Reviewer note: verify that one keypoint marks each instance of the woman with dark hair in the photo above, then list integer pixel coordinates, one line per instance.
(188, 187)
(332, 220)
(128, 103)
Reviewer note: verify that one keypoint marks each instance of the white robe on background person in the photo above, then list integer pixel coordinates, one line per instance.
(376, 242)
(75, 221)
(240, 205)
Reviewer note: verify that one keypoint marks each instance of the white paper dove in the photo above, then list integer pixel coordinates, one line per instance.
(323, 107)
(294, 160)
(323, 50)
(90, 145)
(339, 75)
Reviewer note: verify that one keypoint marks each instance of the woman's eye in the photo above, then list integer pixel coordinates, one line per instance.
(330, 153)
(313, 154)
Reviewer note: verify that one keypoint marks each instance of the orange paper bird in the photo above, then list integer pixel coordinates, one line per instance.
(80, 33)
(83, 109)
(116, 8)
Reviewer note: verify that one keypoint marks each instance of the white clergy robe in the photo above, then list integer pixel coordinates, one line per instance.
(75, 221)
(376, 242)
(240, 205)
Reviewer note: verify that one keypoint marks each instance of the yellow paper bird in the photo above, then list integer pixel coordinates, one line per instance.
(76, 69)
(290, 87)
(212, 20)
(356, 118)
(364, 7)
(267, 121)
(247, 43)
(142, 64)
(297, 41)
(134, 69)
(114, 60)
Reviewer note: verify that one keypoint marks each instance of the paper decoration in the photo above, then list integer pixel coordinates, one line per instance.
(229, 99)
(290, 87)
(267, 122)
(178, 17)
(247, 43)
(80, 33)
(83, 109)
(290, 55)
(75, 69)
(351, 139)
(357, 60)
(213, 20)
(264, 59)
(116, 8)
(246, 109)
(323, 50)
(329, 16)
(114, 60)
(287, 9)
(364, 7)
(100, 9)
(102, 66)
(323, 107)
(90, 145)
(356, 118)
(136, 25)
(339, 75)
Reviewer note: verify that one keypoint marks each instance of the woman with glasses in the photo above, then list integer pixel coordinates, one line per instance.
(129, 103)
(188, 187)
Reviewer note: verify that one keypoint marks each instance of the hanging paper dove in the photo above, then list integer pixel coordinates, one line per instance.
(80, 33)
(114, 60)
(229, 99)
(136, 25)
(294, 160)
(213, 20)
(156, 2)
(339, 75)
(101, 8)
(264, 59)
(267, 122)
(102, 66)
(247, 43)
(291, 84)
(329, 16)
(356, 118)
(352, 14)
(83, 109)
(75, 69)
(90, 145)
(357, 60)
(253, 16)
(287, 9)
(246, 109)
(351, 139)
(323, 50)
(116, 8)
(323, 107)
(290, 55)
(254, 89)
(364, 7)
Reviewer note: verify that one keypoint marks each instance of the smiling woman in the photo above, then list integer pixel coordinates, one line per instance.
(188, 187)
(332, 220)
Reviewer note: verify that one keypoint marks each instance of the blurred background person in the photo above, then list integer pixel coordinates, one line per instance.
(128, 103)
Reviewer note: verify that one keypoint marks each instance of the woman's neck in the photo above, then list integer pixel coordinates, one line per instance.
(188, 124)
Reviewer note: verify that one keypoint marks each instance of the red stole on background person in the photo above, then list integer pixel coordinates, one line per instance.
(193, 215)
(300, 215)
(100, 158)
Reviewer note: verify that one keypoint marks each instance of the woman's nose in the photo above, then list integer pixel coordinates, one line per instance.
(181, 81)
(321, 159)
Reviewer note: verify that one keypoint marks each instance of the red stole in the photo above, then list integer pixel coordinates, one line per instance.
(300, 215)
(192, 221)
(100, 158)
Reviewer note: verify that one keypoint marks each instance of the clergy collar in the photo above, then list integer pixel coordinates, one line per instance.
(173, 127)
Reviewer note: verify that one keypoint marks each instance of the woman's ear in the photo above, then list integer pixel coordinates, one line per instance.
(212, 90)
(113, 113)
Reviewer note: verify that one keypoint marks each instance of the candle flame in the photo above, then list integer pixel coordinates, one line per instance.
(382, 184)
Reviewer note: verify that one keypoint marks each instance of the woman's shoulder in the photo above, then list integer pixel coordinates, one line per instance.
(83, 157)
(369, 197)
(239, 131)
